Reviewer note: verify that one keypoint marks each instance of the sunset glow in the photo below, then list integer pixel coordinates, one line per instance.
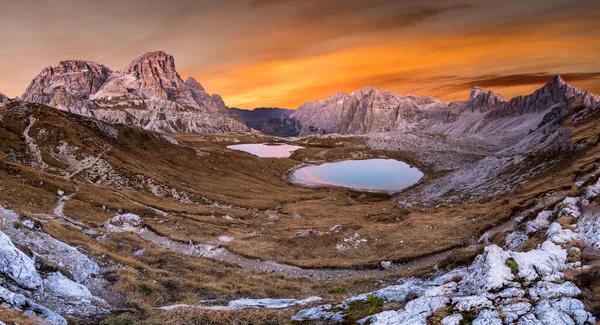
(283, 52)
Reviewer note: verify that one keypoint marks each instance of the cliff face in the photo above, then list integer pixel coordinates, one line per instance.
(148, 93)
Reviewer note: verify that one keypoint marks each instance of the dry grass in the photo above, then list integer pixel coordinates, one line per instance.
(209, 317)
(255, 193)
(8, 315)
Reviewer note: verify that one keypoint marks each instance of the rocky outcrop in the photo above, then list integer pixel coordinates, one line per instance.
(43, 277)
(502, 286)
(283, 126)
(148, 93)
(78, 78)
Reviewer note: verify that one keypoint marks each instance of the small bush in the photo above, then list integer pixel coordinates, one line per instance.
(512, 264)
(17, 225)
(337, 290)
(145, 289)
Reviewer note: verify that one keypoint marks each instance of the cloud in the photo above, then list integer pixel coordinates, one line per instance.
(521, 79)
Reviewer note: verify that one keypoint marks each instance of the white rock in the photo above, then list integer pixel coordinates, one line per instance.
(592, 191)
(453, 319)
(59, 285)
(319, 313)
(470, 303)
(225, 239)
(529, 319)
(546, 261)
(559, 235)
(386, 264)
(541, 221)
(589, 228)
(516, 239)
(415, 312)
(487, 317)
(550, 290)
(123, 222)
(51, 249)
(16, 265)
(568, 207)
(30, 307)
(566, 311)
(512, 312)
(60, 192)
(270, 303)
(489, 272)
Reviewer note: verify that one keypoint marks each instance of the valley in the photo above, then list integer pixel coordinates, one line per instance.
(169, 223)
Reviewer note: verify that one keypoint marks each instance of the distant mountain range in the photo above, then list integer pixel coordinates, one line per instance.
(256, 117)
(370, 110)
(148, 93)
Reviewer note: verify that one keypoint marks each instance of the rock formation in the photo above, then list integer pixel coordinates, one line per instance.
(283, 126)
(512, 286)
(148, 93)
(370, 110)
(3, 98)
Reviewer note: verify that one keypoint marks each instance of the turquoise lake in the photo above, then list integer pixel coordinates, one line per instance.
(386, 175)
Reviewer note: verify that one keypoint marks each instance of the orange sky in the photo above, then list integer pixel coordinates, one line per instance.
(286, 52)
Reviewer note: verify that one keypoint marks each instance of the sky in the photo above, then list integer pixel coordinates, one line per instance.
(283, 53)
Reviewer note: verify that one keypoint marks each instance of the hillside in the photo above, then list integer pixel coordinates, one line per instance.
(120, 221)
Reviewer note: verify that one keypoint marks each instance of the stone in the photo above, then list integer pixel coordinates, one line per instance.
(17, 266)
(591, 253)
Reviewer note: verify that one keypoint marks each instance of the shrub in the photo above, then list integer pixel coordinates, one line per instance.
(512, 264)
(337, 290)
(145, 289)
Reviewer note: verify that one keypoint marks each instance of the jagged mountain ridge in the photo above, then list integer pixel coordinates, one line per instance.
(257, 116)
(148, 93)
(370, 110)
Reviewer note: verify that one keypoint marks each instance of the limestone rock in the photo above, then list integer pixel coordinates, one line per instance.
(148, 93)
(17, 266)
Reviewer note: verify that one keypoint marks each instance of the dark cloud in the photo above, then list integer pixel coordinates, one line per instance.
(523, 79)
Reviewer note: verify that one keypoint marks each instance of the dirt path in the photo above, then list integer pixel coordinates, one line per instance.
(33, 147)
(221, 254)
(84, 167)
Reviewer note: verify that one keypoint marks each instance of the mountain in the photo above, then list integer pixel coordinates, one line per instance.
(3, 98)
(119, 221)
(283, 126)
(148, 93)
(370, 110)
(256, 117)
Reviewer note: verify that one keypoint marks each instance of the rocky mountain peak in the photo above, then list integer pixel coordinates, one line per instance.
(476, 91)
(148, 92)
(194, 84)
(82, 78)
(559, 88)
(154, 76)
(156, 63)
(481, 98)
(79, 66)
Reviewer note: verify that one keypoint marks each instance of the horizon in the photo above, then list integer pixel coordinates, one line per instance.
(269, 53)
